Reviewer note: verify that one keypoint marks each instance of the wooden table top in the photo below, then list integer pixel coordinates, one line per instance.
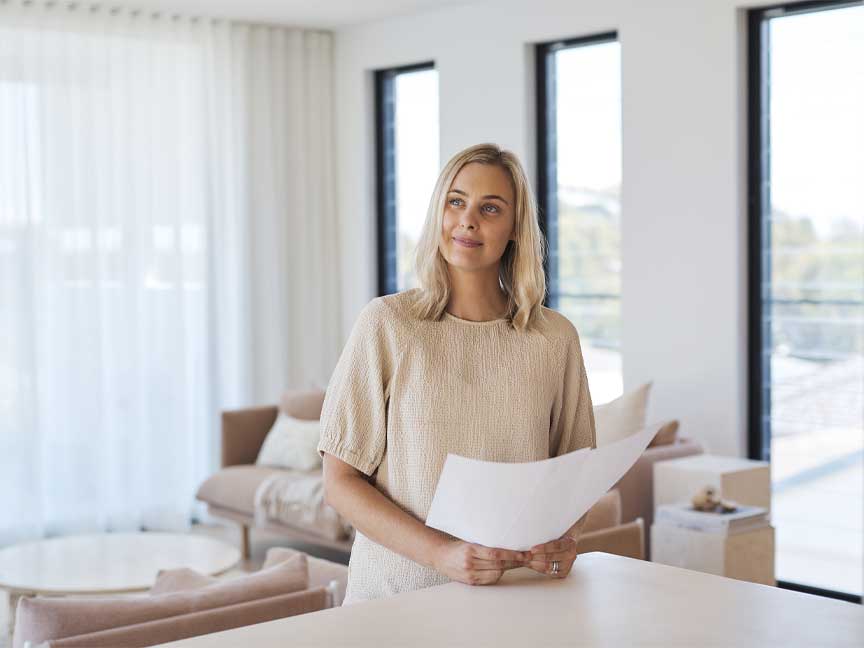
(605, 601)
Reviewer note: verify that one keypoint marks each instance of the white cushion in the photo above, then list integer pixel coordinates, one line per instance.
(291, 443)
(623, 416)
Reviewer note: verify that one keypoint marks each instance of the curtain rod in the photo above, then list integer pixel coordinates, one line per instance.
(113, 10)
(94, 7)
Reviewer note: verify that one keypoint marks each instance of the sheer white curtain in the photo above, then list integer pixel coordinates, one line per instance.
(166, 227)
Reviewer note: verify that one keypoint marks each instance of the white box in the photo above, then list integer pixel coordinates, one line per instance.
(747, 556)
(742, 480)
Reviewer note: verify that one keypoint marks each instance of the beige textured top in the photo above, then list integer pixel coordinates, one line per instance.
(405, 392)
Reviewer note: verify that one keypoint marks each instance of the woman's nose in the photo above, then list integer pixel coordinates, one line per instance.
(469, 217)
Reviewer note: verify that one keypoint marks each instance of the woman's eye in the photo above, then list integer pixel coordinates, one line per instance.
(492, 209)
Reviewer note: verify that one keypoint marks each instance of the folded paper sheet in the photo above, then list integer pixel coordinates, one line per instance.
(519, 505)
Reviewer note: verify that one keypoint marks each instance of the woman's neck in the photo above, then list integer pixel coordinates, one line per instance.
(477, 295)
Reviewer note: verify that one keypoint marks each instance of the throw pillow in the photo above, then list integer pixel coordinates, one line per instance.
(303, 404)
(179, 580)
(291, 443)
(666, 434)
(623, 416)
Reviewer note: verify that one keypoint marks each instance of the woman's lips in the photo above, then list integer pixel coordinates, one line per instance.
(467, 242)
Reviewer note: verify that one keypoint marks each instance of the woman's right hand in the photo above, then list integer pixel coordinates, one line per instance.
(476, 564)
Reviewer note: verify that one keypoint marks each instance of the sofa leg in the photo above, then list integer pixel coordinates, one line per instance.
(244, 542)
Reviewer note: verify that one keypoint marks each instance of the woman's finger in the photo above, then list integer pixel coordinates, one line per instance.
(489, 553)
(497, 563)
(558, 555)
(484, 576)
(546, 567)
(553, 546)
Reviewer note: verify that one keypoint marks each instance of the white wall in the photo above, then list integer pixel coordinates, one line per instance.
(684, 171)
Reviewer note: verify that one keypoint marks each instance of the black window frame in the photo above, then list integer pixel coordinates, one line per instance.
(547, 150)
(385, 174)
(758, 205)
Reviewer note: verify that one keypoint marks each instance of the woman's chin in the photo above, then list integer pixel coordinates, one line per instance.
(466, 265)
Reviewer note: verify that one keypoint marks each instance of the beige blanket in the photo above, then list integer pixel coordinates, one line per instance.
(296, 498)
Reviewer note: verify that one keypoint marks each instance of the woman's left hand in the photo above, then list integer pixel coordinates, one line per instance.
(563, 550)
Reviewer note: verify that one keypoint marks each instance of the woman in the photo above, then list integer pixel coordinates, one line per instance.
(470, 363)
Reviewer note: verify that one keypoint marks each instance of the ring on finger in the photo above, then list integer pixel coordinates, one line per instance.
(555, 566)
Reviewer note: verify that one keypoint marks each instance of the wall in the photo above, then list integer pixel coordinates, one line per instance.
(684, 171)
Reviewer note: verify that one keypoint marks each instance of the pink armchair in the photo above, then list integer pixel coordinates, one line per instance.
(187, 604)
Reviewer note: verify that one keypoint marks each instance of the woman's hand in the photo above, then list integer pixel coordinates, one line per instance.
(475, 564)
(563, 550)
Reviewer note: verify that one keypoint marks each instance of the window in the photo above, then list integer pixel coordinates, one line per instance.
(806, 211)
(579, 194)
(407, 164)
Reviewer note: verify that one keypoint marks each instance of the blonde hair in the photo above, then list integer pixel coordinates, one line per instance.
(520, 272)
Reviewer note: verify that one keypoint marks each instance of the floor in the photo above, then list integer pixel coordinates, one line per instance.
(817, 470)
(260, 542)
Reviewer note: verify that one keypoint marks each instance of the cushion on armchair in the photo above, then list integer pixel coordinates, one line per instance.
(303, 404)
(234, 487)
(666, 434)
(291, 443)
(622, 416)
(321, 571)
(605, 513)
(180, 579)
(622, 540)
(626, 414)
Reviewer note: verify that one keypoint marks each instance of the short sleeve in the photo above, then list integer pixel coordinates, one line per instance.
(354, 413)
(572, 425)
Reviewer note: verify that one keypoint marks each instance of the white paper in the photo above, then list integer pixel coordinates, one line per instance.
(519, 505)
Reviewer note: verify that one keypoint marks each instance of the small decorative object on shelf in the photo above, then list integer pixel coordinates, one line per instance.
(707, 499)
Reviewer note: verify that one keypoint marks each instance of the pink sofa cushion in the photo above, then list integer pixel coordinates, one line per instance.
(234, 487)
(41, 619)
(321, 571)
(605, 513)
(303, 404)
(179, 580)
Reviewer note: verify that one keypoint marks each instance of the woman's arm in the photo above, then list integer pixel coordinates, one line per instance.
(348, 491)
(377, 517)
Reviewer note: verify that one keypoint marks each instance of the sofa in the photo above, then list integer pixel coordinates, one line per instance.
(183, 603)
(637, 484)
(605, 531)
(230, 493)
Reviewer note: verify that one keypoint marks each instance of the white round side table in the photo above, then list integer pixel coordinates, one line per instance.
(105, 563)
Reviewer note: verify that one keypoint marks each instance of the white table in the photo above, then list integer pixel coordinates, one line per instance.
(605, 601)
(106, 563)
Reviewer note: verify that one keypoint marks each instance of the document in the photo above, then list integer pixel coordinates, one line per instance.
(519, 505)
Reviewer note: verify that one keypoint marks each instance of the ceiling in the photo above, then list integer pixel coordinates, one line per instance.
(320, 14)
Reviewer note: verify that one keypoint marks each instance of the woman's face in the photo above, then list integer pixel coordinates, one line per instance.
(479, 217)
